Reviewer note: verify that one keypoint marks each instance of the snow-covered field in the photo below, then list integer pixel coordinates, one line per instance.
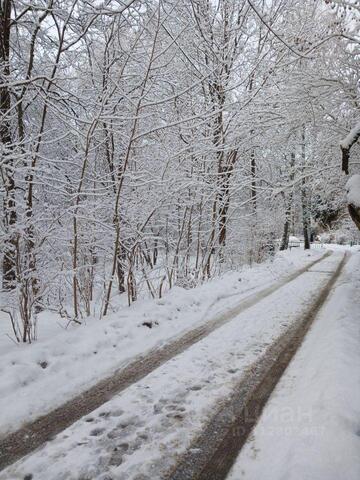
(138, 434)
(76, 358)
(310, 428)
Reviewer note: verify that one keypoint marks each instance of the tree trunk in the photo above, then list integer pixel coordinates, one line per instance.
(304, 200)
(7, 171)
(354, 214)
(224, 195)
(286, 233)
(253, 180)
(120, 268)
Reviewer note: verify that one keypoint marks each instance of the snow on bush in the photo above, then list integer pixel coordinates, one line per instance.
(353, 191)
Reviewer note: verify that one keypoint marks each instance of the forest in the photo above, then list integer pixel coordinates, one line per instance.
(147, 144)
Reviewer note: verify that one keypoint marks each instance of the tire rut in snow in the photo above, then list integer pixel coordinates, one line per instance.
(213, 453)
(32, 435)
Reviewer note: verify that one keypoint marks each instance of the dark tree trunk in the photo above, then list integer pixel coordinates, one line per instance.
(120, 269)
(286, 233)
(306, 233)
(355, 214)
(224, 195)
(9, 206)
(253, 181)
(304, 199)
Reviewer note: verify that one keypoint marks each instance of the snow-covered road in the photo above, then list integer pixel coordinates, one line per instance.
(310, 428)
(138, 434)
(66, 362)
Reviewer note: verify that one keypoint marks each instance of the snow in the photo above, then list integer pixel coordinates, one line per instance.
(353, 191)
(310, 428)
(351, 137)
(139, 433)
(292, 238)
(294, 241)
(80, 356)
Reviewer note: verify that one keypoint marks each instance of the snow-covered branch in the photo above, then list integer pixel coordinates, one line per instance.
(346, 145)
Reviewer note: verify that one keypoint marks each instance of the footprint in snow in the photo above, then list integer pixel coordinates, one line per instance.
(96, 432)
(173, 407)
(125, 427)
(196, 388)
(233, 370)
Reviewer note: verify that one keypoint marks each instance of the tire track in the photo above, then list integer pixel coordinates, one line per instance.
(213, 453)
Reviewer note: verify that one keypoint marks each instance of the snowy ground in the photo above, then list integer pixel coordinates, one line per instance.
(76, 358)
(310, 428)
(138, 434)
